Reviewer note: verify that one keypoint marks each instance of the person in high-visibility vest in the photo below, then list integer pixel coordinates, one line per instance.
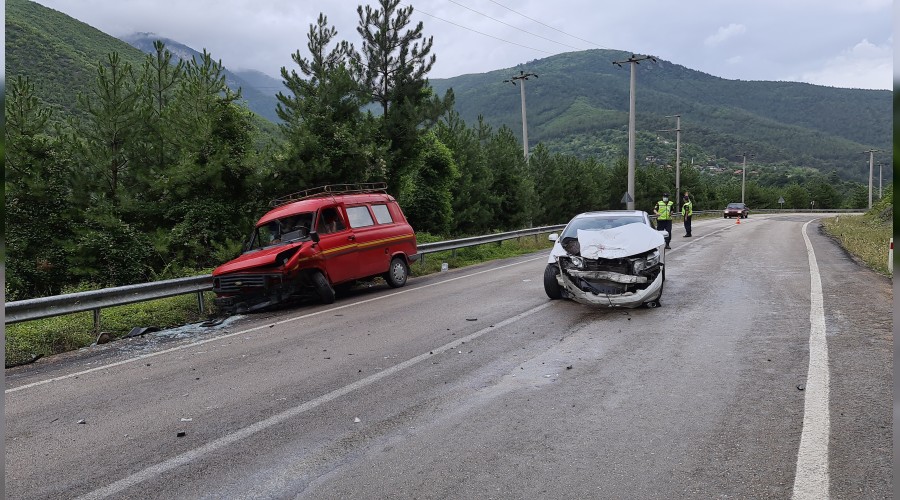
(663, 211)
(687, 210)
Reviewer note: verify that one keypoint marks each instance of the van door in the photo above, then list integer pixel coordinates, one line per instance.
(371, 240)
(337, 244)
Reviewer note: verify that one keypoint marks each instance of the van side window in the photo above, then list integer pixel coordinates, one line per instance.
(359, 217)
(382, 214)
(330, 221)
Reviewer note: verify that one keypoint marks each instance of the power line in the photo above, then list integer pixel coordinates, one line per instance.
(479, 32)
(514, 27)
(547, 25)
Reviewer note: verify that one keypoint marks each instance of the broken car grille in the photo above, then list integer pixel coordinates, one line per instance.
(236, 283)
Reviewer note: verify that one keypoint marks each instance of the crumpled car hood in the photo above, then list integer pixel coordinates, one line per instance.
(615, 243)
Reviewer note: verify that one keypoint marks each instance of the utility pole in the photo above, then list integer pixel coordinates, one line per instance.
(871, 153)
(521, 78)
(634, 61)
(879, 181)
(744, 176)
(677, 159)
(871, 171)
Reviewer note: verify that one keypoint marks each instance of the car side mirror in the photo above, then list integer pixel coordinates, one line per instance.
(553, 237)
(314, 236)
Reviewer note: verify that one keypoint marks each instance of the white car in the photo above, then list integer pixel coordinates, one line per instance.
(612, 258)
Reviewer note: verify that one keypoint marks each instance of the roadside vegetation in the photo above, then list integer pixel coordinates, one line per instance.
(867, 237)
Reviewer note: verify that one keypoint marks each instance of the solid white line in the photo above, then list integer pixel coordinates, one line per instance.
(811, 477)
(198, 453)
(268, 325)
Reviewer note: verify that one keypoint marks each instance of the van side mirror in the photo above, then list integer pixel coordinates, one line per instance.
(314, 236)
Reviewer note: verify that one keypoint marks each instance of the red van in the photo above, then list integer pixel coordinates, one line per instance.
(314, 241)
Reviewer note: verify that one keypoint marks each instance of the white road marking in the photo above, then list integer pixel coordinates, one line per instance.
(198, 453)
(262, 327)
(811, 477)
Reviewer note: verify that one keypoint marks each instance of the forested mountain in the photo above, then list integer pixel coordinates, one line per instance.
(60, 55)
(579, 105)
(257, 89)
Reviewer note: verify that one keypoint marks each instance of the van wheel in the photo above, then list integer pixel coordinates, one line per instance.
(551, 286)
(397, 273)
(323, 288)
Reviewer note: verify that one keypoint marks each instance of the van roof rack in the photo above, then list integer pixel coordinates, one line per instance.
(330, 190)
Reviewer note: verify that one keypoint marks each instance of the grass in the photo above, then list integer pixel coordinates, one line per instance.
(867, 237)
(32, 339)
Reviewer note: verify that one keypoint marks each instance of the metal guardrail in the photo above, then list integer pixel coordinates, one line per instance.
(95, 300)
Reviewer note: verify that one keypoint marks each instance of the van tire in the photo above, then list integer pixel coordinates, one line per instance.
(323, 288)
(551, 286)
(397, 274)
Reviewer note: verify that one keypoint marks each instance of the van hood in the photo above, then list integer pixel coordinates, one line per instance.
(265, 257)
(615, 243)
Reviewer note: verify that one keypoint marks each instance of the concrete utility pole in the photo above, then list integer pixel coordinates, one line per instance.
(521, 78)
(744, 176)
(633, 60)
(871, 153)
(677, 159)
(879, 181)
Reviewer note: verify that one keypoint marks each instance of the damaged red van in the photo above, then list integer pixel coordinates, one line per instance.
(314, 241)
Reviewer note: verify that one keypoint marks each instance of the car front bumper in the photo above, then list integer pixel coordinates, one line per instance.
(628, 299)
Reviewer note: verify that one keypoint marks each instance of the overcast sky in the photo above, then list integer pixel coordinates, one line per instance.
(838, 43)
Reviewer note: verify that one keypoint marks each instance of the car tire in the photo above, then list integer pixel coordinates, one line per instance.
(397, 274)
(323, 287)
(551, 286)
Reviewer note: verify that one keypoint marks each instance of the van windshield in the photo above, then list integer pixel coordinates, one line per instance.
(281, 231)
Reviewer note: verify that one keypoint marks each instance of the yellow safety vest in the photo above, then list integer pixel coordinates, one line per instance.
(687, 209)
(664, 208)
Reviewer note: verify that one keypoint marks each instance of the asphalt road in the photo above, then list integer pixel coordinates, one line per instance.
(472, 384)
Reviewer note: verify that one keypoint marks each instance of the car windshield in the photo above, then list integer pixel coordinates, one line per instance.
(735, 205)
(280, 231)
(599, 223)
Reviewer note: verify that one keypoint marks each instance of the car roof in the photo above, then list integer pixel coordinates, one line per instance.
(610, 213)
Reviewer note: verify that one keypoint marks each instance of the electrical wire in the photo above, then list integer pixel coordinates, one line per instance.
(479, 32)
(514, 27)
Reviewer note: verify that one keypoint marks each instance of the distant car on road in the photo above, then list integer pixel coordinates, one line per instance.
(611, 259)
(736, 210)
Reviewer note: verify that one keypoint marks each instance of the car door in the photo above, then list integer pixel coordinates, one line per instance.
(337, 244)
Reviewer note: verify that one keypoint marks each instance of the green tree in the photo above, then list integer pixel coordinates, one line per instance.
(393, 66)
(796, 196)
(109, 131)
(329, 140)
(512, 184)
(473, 202)
(426, 196)
(37, 215)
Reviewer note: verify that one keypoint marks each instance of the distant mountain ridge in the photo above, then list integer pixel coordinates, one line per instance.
(578, 105)
(257, 88)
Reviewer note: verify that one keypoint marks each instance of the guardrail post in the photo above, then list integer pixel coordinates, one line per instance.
(97, 321)
(201, 303)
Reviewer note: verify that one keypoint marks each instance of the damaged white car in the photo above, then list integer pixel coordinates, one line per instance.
(613, 258)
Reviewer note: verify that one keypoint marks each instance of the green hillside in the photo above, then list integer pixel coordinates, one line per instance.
(579, 105)
(58, 53)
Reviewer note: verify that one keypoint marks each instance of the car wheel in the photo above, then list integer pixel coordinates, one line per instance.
(551, 286)
(724, 216)
(397, 273)
(323, 288)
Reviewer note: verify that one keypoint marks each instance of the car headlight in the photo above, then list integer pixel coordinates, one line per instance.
(647, 262)
(575, 262)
